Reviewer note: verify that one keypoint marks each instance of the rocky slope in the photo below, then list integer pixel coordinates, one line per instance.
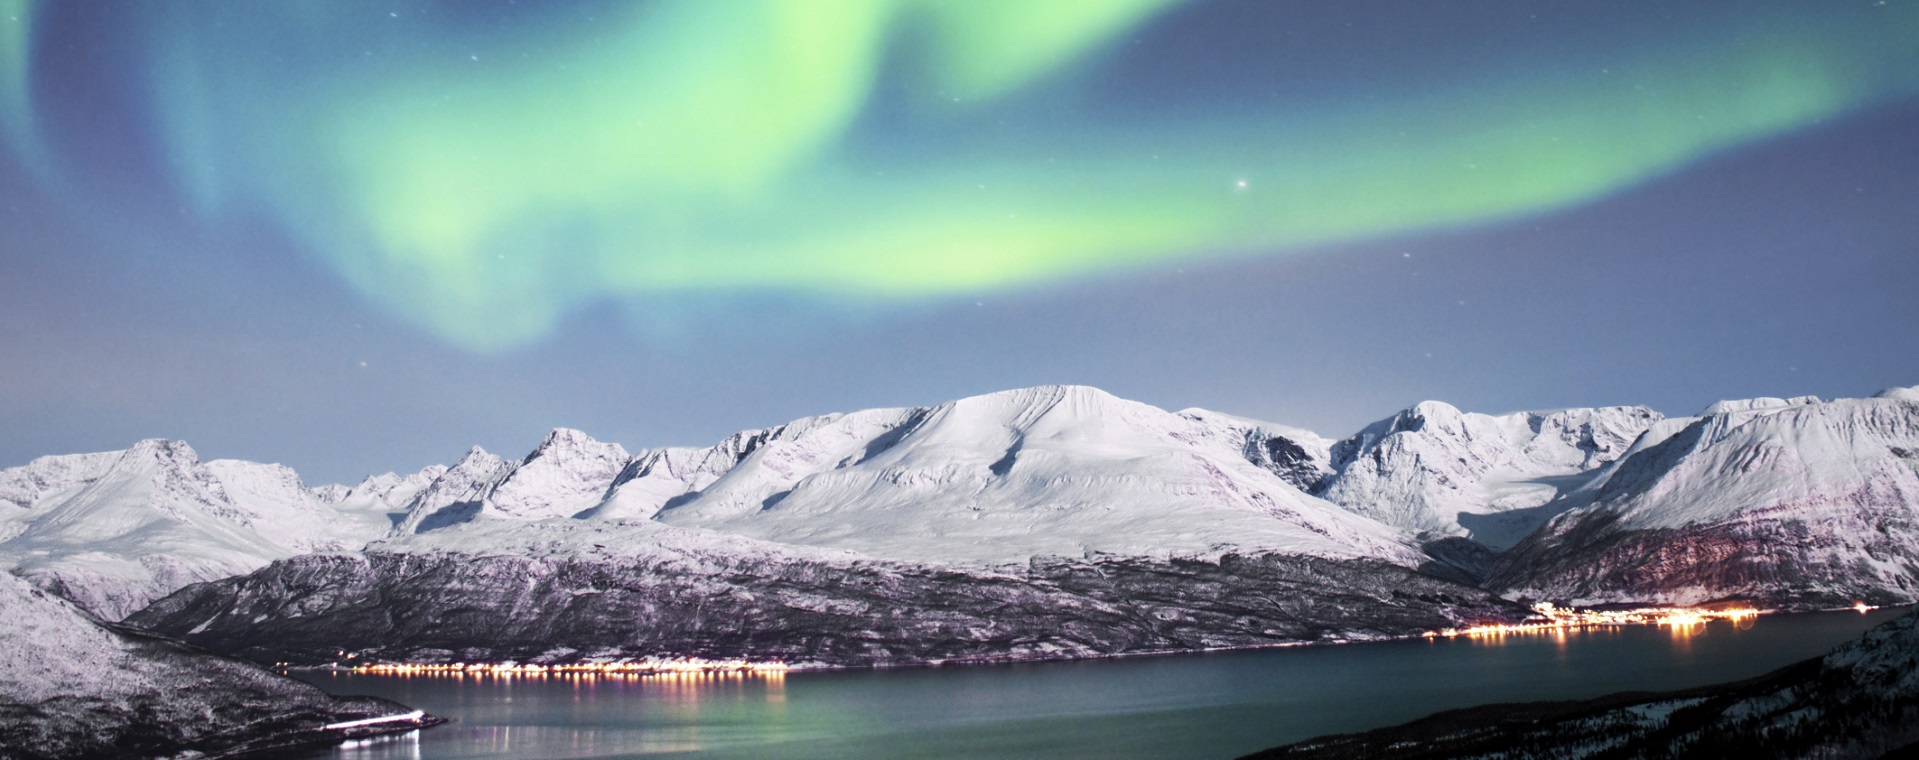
(72, 688)
(563, 590)
(1794, 502)
(1862, 700)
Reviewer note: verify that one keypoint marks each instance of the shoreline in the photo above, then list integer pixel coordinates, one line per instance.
(1572, 619)
(270, 746)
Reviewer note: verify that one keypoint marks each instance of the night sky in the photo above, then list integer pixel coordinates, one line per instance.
(360, 236)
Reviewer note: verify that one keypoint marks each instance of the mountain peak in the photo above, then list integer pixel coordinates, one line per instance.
(565, 437)
(1906, 394)
(569, 472)
(1760, 404)
(161, 451)
(476, 457)
(1429, 412)
(1020, 408)
(1047, 393)
(26, 484)
(567, 443)
(1435, 468)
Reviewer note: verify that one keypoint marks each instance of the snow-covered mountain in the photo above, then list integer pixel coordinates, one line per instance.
(566, 474)
(72, 688)
(1043, 522)
(1440, 471)
(1004, 477)
(112, 532)
(1795, 501)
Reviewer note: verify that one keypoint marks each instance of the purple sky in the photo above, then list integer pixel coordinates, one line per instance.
(1782, 267)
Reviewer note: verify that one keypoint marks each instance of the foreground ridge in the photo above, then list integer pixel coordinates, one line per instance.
(71, 687)
(1861, 700)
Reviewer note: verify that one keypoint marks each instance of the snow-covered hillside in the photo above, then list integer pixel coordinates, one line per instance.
(998, 478)
(1801, 499)
(1300, 457)
(1435, 469)
(114, 531)
(1051, 471)
(71, 688)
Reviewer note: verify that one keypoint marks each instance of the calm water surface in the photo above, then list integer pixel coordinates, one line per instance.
(1202, 706)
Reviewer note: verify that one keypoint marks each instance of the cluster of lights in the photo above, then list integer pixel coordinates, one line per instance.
(644, 667)
(1549, 617)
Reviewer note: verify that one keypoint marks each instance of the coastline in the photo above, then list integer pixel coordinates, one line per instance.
(1678, 618)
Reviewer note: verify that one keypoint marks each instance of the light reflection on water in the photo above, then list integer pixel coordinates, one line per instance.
(1207, 705)
(390, 747)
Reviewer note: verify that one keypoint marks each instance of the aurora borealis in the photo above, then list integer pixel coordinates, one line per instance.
(1264, 206)
(483, 169)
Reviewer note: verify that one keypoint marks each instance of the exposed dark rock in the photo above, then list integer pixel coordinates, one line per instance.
(1458, 559)
(1286, 458)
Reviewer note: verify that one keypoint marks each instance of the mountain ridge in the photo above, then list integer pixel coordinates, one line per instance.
(1515, 503)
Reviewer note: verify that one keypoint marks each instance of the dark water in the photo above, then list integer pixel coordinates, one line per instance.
(1202, 706)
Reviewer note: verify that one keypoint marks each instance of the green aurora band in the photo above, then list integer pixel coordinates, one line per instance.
(16, 104)
(692, 149)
